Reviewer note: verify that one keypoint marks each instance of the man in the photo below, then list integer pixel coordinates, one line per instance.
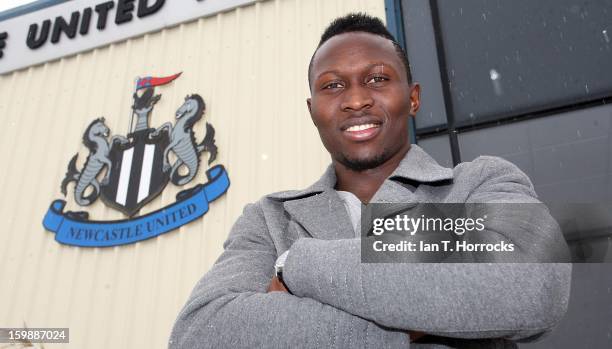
(362, 96)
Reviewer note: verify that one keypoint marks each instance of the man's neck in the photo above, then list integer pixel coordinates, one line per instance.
(364, 184)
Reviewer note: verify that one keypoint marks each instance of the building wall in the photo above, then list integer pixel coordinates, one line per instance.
(249, 65)
(564, 145)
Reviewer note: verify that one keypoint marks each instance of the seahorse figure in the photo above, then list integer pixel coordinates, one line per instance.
(183, 143)
(94, 139)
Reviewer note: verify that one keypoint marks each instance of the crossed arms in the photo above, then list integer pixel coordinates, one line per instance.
(229, 307)
(338, 301)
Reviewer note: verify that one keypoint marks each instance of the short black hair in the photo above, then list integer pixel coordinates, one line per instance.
(360, 22)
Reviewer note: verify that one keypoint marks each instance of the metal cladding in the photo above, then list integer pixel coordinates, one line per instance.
(249, 64)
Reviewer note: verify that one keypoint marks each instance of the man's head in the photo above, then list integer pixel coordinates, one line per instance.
(362, 93)
(359, 22)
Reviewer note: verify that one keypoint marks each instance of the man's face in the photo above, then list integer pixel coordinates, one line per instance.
(361, 100)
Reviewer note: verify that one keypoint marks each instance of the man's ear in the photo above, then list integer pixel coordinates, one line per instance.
(415, 99)
(309, 104)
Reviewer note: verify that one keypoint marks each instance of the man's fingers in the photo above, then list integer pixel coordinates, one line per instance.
(415, 335)
(276, 285)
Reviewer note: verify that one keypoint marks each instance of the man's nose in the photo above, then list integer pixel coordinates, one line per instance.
(357, 98)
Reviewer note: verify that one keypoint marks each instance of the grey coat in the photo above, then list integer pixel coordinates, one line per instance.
(339, 302)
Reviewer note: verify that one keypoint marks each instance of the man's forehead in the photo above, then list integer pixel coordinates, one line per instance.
(354, 47)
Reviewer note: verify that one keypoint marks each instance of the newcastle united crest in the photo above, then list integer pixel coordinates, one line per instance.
(127, 172)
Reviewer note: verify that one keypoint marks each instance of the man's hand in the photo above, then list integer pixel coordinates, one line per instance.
(277, 285)
(415, 335)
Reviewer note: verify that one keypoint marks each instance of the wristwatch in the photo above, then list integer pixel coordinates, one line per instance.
(279, 265)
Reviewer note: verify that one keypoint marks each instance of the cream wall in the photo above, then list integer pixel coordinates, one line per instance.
(250, 66)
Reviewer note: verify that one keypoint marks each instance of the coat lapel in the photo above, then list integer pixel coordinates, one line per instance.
(318, 208)
(323, 215)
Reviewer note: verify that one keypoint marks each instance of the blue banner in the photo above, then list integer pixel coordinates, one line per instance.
(73, 228)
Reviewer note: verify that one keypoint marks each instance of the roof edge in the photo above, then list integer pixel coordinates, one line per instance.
(28, 8)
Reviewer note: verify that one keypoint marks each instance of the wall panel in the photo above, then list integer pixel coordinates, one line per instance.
(250, 65)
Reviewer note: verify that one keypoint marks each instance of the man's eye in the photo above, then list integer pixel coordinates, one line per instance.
(332, 86)
(376, 79)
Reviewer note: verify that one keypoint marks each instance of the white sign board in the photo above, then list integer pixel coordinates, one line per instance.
(81, 25)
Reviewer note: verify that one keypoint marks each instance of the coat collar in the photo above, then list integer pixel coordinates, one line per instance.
(321, 211)
(416, 166)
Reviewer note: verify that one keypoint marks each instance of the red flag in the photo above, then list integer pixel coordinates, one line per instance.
(150, 81)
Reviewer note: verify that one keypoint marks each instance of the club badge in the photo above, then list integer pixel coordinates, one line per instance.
(128, 172)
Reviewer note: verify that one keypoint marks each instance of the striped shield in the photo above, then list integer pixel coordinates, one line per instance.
(136, 176)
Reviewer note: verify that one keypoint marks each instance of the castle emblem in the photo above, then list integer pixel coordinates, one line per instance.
(127, 172)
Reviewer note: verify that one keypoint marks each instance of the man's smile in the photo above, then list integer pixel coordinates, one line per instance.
(362, 132)
(361, 128)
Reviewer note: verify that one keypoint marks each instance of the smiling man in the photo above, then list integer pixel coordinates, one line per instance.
(291, 274)
(362, 95)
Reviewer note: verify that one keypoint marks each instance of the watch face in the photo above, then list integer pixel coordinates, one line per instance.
(278, 270)
(280, 263)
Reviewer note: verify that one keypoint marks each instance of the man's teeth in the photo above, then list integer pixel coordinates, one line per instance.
(360, 127)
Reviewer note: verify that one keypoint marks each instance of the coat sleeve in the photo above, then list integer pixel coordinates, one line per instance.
(469, 300)
(229, 306)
